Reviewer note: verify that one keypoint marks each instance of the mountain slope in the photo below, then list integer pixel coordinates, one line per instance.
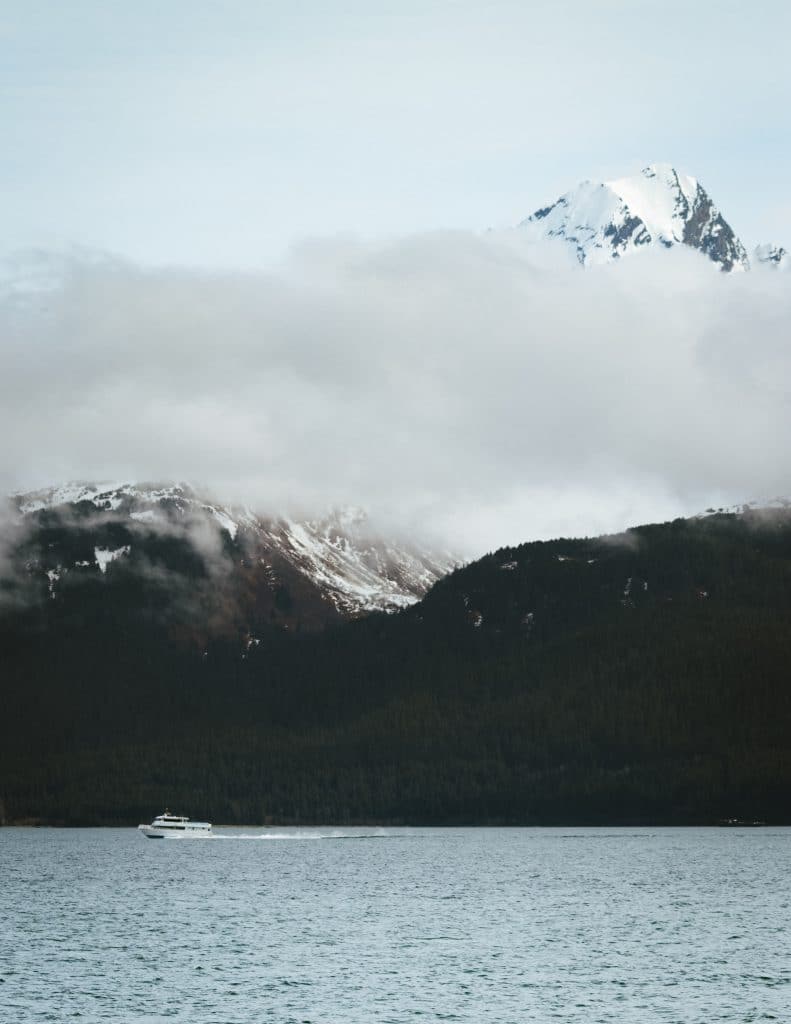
(601, 222)
(639, 678)
(221, 568)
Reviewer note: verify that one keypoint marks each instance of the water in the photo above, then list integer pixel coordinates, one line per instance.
(397, 925)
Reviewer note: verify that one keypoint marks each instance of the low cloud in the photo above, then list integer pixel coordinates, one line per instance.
(27, 556)
(13, 532)
(449, 382)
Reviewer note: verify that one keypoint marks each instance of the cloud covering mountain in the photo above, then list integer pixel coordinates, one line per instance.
(447, 382)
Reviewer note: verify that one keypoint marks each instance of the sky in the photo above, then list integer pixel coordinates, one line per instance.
(257, 234)
(219, 134)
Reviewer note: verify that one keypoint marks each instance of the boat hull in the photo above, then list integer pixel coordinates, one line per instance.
(170, 833)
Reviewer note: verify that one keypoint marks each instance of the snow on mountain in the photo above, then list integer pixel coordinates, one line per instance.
(103, 556)
(604, 221)
(102, 495)
(360, 573)
(767, 505)
(770, 255)
(341, 555)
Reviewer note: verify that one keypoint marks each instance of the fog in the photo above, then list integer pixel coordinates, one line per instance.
(453, 384)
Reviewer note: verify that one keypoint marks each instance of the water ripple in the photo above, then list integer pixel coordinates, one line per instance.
(468, 925)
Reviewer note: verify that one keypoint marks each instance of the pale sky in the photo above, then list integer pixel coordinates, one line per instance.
(221, 133)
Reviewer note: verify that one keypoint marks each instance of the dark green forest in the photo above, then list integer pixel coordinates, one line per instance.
(642, 678)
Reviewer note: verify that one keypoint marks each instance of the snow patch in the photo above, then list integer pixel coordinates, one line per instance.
(147, 516)
(225, 521)
(104, 556)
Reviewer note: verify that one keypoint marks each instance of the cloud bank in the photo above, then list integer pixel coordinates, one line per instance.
(451, 383)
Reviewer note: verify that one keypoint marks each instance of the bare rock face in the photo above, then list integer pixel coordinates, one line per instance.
(606, 221)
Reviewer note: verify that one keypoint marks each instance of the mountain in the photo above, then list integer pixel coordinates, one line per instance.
(219, 569)
(771, 255)
(640, 678)
(604, 221)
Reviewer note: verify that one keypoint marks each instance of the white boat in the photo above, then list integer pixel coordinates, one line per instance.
(172, 826)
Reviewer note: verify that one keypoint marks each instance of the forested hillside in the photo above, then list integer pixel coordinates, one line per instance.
(639, 678)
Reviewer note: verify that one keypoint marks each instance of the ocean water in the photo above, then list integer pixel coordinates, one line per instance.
(396, 925)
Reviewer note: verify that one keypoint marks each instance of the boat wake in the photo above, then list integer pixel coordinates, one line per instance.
(301, 836)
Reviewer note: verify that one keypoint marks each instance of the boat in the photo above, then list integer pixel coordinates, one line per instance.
(173, 826)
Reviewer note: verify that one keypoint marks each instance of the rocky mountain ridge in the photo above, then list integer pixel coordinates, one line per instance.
(297, 572)
(601, 222)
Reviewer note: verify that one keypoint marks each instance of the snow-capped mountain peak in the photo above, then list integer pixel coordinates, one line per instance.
(603, 221)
